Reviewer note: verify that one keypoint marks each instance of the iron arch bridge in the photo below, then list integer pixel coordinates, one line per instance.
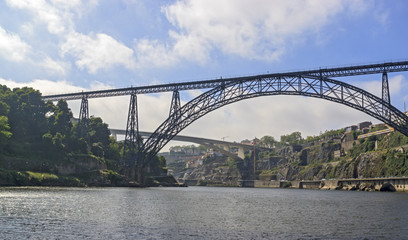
(303, 85)
(317, 83)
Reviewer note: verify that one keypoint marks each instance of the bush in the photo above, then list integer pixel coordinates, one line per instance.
(286, 185)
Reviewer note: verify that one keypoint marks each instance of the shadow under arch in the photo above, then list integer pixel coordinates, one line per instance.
(251, 87)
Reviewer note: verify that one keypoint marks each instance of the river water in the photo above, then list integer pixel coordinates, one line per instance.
(200, 213)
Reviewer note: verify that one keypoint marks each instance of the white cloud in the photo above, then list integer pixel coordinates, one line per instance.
(95, 52)
(57, 15)
(260, 29)
(12, 47)
(56, 19)
(397, 84)
(46, 87)
(153, 53)
(54, 67)
(92, 52)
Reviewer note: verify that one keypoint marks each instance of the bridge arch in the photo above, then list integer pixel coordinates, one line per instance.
(251, 87)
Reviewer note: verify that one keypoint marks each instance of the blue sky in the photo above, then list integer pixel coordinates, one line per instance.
(61, 46)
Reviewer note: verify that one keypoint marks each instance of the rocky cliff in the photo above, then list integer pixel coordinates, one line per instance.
(215, 170)
(363, 161)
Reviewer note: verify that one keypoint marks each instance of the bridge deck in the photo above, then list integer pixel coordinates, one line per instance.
(207, 84)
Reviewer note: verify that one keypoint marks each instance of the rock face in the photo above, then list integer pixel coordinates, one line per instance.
(214, 171)
(78, 166)
(317, 162)
(387, 187)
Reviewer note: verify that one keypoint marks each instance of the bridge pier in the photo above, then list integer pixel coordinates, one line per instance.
(175, 103)
(241, 152)
(84, 120)
(115, 136)
(132, 136)
(385, 94)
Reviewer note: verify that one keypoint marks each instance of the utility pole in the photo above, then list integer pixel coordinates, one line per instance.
(254, 160)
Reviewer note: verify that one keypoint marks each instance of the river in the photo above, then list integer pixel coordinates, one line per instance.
(200, 213)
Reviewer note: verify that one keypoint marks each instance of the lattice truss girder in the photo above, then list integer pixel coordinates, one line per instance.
(312, 86)
(325, 72)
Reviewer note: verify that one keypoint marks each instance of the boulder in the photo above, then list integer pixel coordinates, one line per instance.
(387, 187)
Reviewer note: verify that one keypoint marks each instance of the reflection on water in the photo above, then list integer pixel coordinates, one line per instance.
(200, 213)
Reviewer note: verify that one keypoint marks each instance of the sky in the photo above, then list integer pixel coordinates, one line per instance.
(59, 46)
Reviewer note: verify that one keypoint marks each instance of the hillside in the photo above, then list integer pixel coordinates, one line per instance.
(332, 155)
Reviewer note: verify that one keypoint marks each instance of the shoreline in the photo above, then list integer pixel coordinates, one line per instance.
(14, 178)
(390, 184)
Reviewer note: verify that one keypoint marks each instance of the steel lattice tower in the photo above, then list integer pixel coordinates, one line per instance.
(83, 123)
(385, 93)
(175, 103)
(132, 138)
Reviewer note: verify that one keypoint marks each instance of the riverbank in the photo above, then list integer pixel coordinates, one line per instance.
(101, 178)
(391, 184)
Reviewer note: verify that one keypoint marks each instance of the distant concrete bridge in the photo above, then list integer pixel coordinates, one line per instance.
(222, 146)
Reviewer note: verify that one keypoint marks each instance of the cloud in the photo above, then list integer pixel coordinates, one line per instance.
(54, 67)
(256, 30)
(153, 53)
(92, 52)
(46, 87)
(57, 15)
(396, 84)
(97, 51)
(56, 19)
(12, 47)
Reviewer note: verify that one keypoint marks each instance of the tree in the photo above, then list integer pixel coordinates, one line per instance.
(5, 133)
(293, 138)
(60, 119)
(99, 134)
(267, 141)
(27, 115)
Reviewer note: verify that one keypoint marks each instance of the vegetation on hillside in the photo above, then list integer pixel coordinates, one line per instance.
(37, 136)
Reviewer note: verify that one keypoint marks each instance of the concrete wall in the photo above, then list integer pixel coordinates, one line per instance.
(368, 184)
(310, 184)
(267, 184)
(399, 183)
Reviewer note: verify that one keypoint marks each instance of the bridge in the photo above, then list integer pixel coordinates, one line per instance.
(318, 83)
(222, 146)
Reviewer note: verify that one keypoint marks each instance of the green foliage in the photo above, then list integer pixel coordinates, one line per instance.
(157, 165)
(394, 139)
(27, 114)
(267, 141)
(189, 148)
(365, 145)
(286, 185)
(269, 172)
(292, 139)
(29, 178)
(395, 164)
(326, 134)
(43, 132)
(5, 133)
(231, 162)
(60, 118)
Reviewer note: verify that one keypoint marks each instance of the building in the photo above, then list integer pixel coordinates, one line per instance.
(351, 128)
(363, 125)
